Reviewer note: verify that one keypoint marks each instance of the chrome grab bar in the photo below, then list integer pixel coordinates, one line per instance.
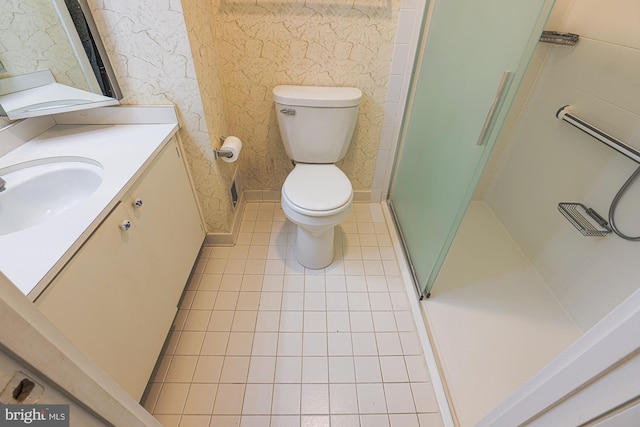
(566, 114)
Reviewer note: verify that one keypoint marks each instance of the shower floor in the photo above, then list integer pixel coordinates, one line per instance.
(493, 320)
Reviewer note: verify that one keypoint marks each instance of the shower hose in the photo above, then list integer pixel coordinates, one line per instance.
(614, 204)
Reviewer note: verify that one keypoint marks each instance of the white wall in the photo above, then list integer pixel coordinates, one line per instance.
(548, 161)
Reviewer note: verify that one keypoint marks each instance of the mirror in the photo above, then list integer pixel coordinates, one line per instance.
(58, 37)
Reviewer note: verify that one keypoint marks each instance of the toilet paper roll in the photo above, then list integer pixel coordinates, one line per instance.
(233, 145)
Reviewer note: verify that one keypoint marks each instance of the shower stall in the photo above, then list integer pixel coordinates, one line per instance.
(506, 282)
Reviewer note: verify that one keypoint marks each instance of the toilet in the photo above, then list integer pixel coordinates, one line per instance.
(316, 125)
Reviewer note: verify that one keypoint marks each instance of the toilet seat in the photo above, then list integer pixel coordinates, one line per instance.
(317, 189)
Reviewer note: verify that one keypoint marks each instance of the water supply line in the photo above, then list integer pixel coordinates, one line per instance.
(566, 114)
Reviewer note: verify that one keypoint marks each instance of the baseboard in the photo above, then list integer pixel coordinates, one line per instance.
(229, 239)
(256, 196)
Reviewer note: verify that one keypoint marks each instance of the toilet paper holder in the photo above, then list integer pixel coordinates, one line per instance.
(222, 153)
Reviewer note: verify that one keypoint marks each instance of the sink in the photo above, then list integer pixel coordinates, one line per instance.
(38, 190)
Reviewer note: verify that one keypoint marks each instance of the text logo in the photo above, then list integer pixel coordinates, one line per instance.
(34, 415)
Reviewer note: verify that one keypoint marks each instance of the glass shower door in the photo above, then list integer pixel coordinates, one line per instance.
(460, 98)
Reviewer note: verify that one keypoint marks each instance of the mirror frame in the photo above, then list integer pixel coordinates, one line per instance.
(99, 45)
(37, 93)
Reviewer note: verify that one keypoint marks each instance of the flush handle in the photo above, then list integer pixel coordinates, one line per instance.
(288, 111)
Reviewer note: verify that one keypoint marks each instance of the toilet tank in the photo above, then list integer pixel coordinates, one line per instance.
(316, 123)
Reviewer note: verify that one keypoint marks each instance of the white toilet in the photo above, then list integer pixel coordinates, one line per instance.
(316, 124)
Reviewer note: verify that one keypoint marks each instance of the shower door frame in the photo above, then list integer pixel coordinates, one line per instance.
(503, 107)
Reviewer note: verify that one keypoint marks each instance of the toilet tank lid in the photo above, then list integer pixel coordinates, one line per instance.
(317, 96)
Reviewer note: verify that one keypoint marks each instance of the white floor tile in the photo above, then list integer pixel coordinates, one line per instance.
(315, 421)
(172, 398)
(399, 398)
(197, 320)
(315, 399)
(208, 369)
(404, 420)
(255, 420)
(361, 321)
(257, 399)
(371, 398)
(239, 344)
(345, 420)
(367, 369)
(273, 283)
(195, 421)
(292, 301)
(190, 343)
(384, 321)
(248, 301)
(181, 369)
(393, 369)
(417, 369)
(291, 321)
(286, 399)
(339, 344)
(424, 397)
(244, 321)
(341, 370)
(388, 344)
(220, 321)
(314, 344)
(260, 340)
(268, 321)
(337, 301)
(289, 344)
(289, 369)
(265, 344)
(315, 321)
(229, 399)
(204, 300)
(235, 369)
(262, 370)
(364, 344)
(200, 399)
(215, 343)
(343, 398)
(270, 300)
(285, 421)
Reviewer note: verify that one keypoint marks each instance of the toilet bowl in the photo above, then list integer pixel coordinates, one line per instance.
(316, 198)
(316, 125)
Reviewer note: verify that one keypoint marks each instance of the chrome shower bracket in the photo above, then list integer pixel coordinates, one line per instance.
(222, 153)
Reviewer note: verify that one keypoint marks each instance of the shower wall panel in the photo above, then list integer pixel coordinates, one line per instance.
(548, 161)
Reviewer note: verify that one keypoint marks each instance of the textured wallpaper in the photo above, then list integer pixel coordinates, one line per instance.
(148, 45)
(239, 51)
(252, 46)
(261, 44)
(32, 39)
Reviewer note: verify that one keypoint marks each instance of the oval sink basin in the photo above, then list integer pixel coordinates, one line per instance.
(38, 190)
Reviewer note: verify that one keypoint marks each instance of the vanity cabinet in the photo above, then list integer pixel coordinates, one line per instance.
(117, 296)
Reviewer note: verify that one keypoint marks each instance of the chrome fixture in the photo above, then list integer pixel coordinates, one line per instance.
(554, 37)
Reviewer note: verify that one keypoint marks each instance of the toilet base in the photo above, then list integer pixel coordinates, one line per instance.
(314, 250)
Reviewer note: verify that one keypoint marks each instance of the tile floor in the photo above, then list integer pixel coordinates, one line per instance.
(261, 341)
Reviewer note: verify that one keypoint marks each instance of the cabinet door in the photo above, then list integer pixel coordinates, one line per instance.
(169, 221)
(103, 301)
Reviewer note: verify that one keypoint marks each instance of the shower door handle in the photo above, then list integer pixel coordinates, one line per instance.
(502, 88)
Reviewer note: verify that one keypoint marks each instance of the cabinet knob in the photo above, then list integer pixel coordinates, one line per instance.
(125, 225)
(137, 203)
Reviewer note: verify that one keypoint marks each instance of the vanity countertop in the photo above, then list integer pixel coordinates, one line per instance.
(30, 258)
